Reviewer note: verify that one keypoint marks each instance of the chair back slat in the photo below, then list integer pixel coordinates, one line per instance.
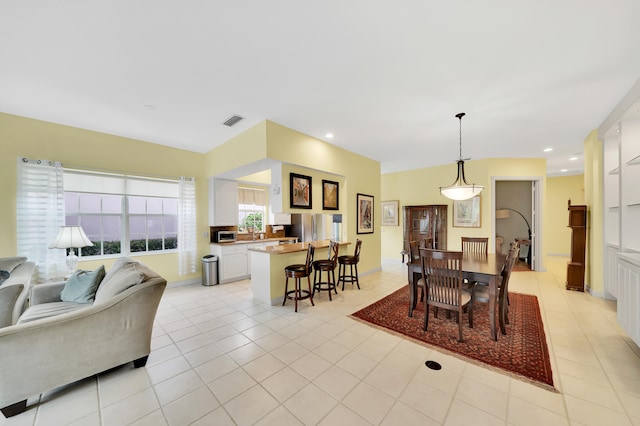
(310, 253)
(475, 245)
(356, 253)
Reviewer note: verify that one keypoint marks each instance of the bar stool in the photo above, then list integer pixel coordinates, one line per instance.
(297, 272)
(329, 266)
(352, 261)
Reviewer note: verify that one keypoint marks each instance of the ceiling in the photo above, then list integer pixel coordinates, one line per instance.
(386, 78)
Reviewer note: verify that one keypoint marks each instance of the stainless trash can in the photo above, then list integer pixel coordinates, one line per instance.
(209, 270)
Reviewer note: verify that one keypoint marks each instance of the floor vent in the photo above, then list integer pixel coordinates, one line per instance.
(232, 120)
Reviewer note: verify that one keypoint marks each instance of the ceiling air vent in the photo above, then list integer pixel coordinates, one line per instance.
(232, 120)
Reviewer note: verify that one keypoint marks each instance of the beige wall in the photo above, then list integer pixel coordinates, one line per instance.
(593, 181)
(559, 190)
(417, 187)
(21, 136)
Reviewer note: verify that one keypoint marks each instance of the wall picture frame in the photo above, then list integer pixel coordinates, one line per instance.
(330, 195)
(364, 214)
(389, 213)
(300, 193)
(467, 213)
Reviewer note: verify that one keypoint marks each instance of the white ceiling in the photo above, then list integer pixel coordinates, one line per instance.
(387, 78)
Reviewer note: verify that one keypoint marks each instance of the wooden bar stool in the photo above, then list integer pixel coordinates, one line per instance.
(328, 266)
(352, 261)
(297, 272)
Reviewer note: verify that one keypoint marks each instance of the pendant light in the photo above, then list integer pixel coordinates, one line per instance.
(461, 189)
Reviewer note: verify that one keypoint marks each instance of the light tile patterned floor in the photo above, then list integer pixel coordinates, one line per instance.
(219, 358)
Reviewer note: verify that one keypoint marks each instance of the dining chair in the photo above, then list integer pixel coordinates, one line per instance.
(476, 245)
(442, 285)
(481, 293)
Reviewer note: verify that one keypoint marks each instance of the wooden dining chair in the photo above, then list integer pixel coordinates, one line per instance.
(475, 245)
(442, 285)
(481, 293)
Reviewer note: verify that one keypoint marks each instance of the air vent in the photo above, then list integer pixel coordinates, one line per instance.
(232, 120)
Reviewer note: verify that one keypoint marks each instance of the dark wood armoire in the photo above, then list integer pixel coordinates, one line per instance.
(575, 267)
(428, 222)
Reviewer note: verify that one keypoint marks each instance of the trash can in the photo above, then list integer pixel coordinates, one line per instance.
(209, 270)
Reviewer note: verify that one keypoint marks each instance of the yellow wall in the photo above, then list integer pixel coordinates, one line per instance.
(417, 187)
(20, 136)
(593, 181)
(556, 232)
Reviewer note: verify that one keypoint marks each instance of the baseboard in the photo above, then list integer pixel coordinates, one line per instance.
(183, 283)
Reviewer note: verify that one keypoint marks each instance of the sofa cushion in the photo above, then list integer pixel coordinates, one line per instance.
(46, 310)
(10, 263)
(125, 273)
(82, 285)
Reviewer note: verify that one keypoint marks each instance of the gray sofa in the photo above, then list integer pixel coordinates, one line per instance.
(58, 342)
(14, 288)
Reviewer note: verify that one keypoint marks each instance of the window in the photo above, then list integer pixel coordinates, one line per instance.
(122, 214)
(251, 210)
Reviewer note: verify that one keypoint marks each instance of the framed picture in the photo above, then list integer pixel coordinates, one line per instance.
(365, 214)
(300, 192)
(466, 213)
(389, 213)
(330, 195)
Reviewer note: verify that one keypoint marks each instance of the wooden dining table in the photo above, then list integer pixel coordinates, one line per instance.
(475, 267)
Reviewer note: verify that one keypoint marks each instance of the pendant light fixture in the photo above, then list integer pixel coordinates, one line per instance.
(461, 189)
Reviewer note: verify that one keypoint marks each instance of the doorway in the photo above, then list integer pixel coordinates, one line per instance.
(516, 219)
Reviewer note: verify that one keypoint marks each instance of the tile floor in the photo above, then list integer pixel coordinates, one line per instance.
(219, 358)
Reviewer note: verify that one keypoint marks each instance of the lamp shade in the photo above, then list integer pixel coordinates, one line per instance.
(502, 214)
(71, 236)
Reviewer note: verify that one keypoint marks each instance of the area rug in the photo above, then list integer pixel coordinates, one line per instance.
(521, 353)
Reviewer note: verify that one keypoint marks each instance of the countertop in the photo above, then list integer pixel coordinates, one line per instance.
(263, 240)
(295, 247)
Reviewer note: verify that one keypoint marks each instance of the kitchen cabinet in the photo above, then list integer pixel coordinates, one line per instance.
(281, 219)
(232, 261)
(258, 245)
(223, 202)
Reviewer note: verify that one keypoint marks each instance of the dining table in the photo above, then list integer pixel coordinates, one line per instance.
(475, 267)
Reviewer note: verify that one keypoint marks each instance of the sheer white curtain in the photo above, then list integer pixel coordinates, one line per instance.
(187, 232)
(39, 215)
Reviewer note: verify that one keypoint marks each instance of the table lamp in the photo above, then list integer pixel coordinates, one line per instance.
(71, 237)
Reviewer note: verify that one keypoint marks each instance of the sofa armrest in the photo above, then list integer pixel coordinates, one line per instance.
(46, 293)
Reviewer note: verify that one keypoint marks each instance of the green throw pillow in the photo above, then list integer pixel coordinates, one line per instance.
(82, 285)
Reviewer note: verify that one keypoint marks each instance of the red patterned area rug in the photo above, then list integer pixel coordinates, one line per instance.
(521, 353)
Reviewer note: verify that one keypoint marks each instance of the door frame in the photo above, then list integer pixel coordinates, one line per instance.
(537, 261)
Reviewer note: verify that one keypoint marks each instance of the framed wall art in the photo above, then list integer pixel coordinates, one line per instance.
(330, 195)
(300, 191)
(389, 213)
(467, 213)
(365, 214)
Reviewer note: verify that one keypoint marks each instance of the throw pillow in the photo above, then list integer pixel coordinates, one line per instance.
(10, 263)
(82, 285)
(124, 274)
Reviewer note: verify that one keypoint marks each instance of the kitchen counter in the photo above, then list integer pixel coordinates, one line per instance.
(268, 263)
(263, 240)
(295, 247)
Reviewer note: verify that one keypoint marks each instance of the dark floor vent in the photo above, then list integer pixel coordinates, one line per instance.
(433, 365)
(232, 120)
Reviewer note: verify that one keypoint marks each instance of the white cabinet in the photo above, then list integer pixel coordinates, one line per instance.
(281, 219)
(223, 202)
(258, 245)
(629, 295)
(232, 261)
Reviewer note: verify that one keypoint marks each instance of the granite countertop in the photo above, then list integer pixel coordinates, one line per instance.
(263, 240)
(295, 247)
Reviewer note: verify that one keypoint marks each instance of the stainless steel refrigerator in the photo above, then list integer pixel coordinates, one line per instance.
(302, 226)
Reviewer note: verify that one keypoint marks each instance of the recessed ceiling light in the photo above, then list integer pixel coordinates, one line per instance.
(564, 170)
(149, 107)
(548, 149)
(329, 135)
(573, 158)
